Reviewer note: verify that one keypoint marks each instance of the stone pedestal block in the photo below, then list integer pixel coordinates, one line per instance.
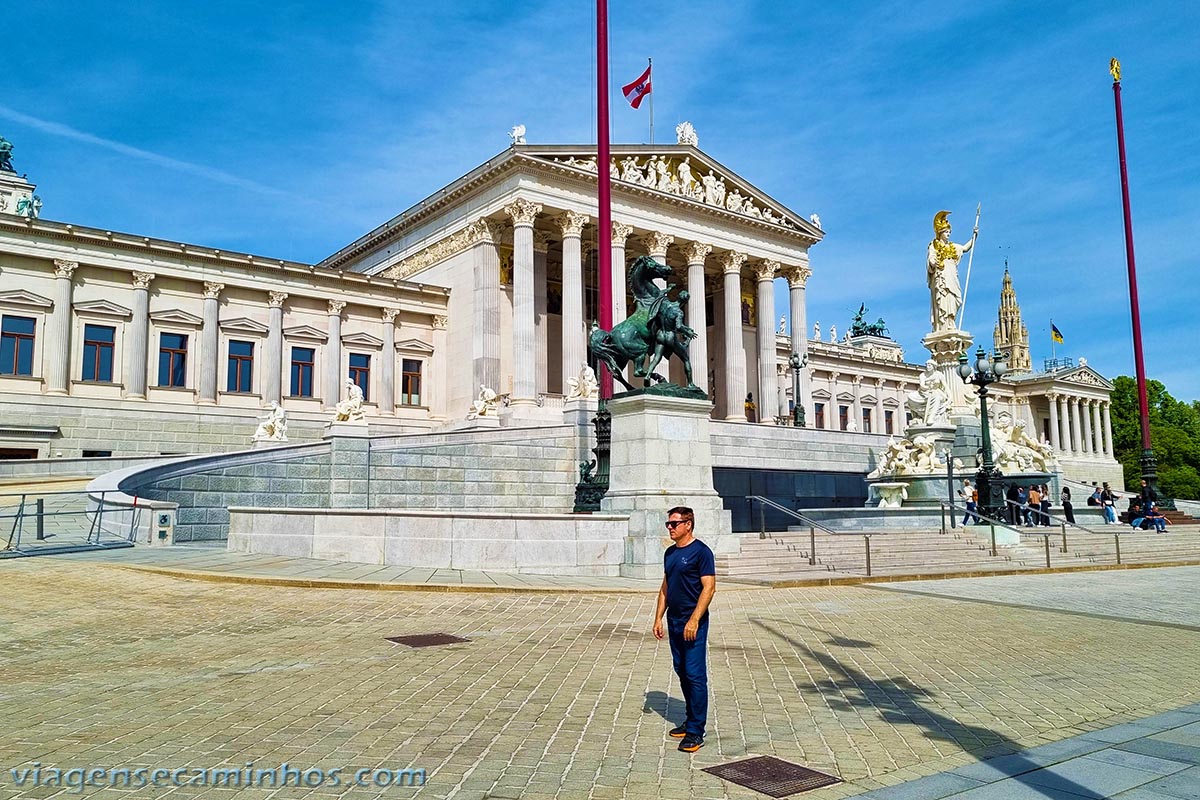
(662, 457)
(945, 347)
(349, 481)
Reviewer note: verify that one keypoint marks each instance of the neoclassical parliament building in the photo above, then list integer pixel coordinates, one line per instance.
(116, 344)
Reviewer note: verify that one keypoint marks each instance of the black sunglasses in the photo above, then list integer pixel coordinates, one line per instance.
(675, 523)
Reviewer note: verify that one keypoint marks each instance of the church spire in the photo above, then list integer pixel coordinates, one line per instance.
(1011, 335)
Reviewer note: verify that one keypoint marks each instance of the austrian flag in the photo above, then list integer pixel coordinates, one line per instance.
(634, 92)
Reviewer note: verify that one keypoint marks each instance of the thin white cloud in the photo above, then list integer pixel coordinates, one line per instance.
(66, 131)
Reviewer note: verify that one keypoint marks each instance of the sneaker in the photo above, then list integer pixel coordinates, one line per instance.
(677, 733)
(691, 743)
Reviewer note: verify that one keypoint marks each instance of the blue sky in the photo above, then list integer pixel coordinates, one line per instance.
(288, 129)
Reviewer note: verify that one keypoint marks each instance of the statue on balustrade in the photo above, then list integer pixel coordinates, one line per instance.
(351, 409)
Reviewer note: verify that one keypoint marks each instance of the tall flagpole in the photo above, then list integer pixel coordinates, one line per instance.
(1149, 464)
(650, 66)
(604, 197)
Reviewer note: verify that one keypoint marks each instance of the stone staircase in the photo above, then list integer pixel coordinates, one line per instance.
(784, 555)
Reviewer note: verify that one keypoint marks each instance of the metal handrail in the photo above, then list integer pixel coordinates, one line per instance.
(812, 524)
(992, 523)
(94, 517)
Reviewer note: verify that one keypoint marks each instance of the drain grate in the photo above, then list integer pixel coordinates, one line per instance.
(772, 776)
(426, 639)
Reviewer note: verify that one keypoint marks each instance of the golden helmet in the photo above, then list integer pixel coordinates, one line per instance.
(941, 222)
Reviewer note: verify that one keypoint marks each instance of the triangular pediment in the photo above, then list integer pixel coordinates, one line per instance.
(1085, 376)
(890, 402)
(360, 339)
(102, 308)
(415, 346)
(23, 299)
(684, 172)
(244, 325)
(306, 333)
(174, 316)
(821, 394)
(845, 397)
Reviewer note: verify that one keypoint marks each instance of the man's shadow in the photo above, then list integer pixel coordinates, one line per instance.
(898, 701)
(667, 707)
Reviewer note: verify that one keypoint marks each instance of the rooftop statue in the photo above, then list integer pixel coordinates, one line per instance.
(654, 331)
(860, 327)
(686, 134)
(6, 149)
(517, 134)
(30, 207)
(941, 272)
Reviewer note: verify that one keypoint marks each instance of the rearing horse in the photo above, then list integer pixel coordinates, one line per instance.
(631, 341)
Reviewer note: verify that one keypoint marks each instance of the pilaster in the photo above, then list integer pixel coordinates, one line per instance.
(210, 342)
(139, 337)
(387, 363)
(273, 365)
(58, 340)
(333, 354)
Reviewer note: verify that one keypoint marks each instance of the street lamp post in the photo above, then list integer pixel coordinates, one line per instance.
(797, 363)
(987, 480)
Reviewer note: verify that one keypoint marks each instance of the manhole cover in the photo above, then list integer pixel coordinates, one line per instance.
(426, 639)
(772, 776)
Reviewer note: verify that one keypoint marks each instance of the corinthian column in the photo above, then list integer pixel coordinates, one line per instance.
(735, 355)
(1073, 403)
(620, 232)
(1108, 442)
(656, 245)
(485, 323)
(696, 252)
(387, 363)
(1085, 411)
(210, 342)
(58, 340)
(1064, 423)
(574, 348)
(765, 272)
(139, 337)
(523, 214)
(1054, 440)
(273, 365)
(1098, 432)
(797, 278)
(333, 354)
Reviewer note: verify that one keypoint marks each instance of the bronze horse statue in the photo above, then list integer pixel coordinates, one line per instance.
(651, 332)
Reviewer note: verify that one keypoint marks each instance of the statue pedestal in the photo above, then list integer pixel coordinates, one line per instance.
(944, 348)
(265, 444)
(662, 457)
(352, 430)
(472, 424)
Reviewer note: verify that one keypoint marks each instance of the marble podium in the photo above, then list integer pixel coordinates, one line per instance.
(662, 457)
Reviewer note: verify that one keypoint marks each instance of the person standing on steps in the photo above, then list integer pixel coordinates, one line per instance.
(689, 582)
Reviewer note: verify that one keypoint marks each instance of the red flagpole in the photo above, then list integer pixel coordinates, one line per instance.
(604, 196)
(1149, 466)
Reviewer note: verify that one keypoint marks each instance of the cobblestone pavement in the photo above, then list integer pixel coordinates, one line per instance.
(566, 695)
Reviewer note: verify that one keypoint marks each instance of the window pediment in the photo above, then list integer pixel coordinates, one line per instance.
(306, 333)
(102, 308)
(821, 394)
(176, 317)
(244, 325)
(20, 298)
(360, 339)
(414, 346)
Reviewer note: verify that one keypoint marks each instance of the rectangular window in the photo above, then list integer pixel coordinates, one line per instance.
(410, 382)
(819, 415)
(844, 418)
(889, 424)
(97, 453)
(866, 426)
(302, 371)
(360, 372)
(98, 353)
(241, 366)
(172, 359)
(16, 345)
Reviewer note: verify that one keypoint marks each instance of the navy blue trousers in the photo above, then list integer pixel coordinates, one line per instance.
(691, 665)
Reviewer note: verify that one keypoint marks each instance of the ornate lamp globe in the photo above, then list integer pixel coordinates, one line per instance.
(1001, 365)
(964, 369)
(982, 365)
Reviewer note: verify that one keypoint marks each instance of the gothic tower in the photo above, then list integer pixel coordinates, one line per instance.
(1011, 335)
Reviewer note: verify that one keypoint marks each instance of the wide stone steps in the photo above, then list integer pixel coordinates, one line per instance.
(784, 555)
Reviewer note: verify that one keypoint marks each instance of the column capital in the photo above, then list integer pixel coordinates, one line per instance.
(541, 241)
(390, 314)
(765, 270)
(620, 232)
(275, 299)
(731, 263)
(440, 322)
(1052, 397)
(141, 280)
(857, 379)
(879, 382)
(523, 212)
(63, 269)
(833, 376)
(212, 290)
(656, 243)
(696, 252)
(797, 275)
(571, 223)
(485, 229)
(335, 307)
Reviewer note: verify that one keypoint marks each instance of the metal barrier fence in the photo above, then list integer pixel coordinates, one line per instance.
(42, 522)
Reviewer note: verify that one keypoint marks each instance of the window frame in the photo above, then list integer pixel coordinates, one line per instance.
(404, 376)
(18, 339)
(312, 371)
(183, 367)
(360, 375)
(235, 364)
(95, 359)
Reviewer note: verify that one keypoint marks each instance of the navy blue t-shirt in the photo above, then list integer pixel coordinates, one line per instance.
(684, 566)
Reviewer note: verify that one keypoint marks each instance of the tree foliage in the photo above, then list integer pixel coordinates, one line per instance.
(1174, 435)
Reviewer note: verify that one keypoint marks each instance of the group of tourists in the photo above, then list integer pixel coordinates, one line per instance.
(1023, 505)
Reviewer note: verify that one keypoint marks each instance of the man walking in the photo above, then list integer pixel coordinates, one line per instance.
(689, 583)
